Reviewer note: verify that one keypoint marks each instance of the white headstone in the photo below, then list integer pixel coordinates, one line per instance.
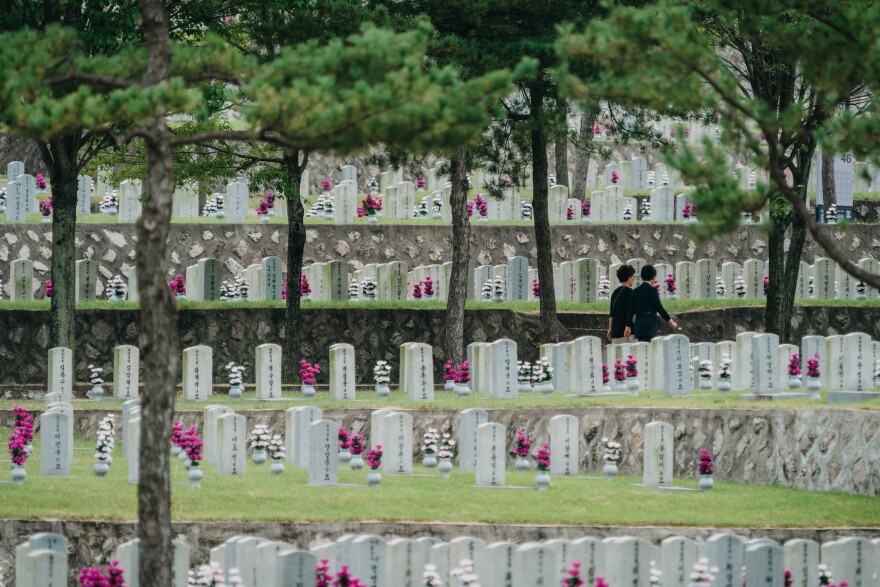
(16, 202)
(659, 452)
(130, 207)
(323, 449)
(678, 556)
(86, 280)
(268, 371)
(21, 284)
(61, 372)
(676, 365)
(491, 455)
(126, 363)
(296, 433)
(83, 195)
(765, 363)
(56, 433)
(764, 565)
(132, 446)
(398, 447)
(232, 444)
(342, 372)
(503, 357)
(198, 369)
(236, 202)
(802, 559)
(469, 421)
(564, 445)
(858, 362)
(726, 552)
(209, 278)
(535, 566)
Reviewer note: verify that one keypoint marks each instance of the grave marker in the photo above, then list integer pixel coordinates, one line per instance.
(61, 372)
(296, 433)
(397, 449)
(197, 372)
(55, 436)
(86, 280)
(232, 444)
(323, 449)
(126, 363)
(469, 421)
(564, 445)
(491, 455)
(658, 454)
(268, 371)
(342, 373)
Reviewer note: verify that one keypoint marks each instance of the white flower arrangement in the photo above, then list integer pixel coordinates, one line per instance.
(211, 575)
(236, 373)
(353, 289)
(115, 287)
(487, 290)
(241, 286)
(430, 442)
(437, 204)
(739, 286)
(725, 372)
(465, 574)
(106, 438)
(702, 573)
(627, 213)
(276, 448)
(656, 578)
(542, 371)
(720, 288)
(498, 286)
(524, 371)
(604, 287)
(259, 437)
(612, 451)
(824, 575)
(430, 576)
(368, 288)
(382, 372)
(525, 210)
(328, 205)
(705, 369)
(877, 369)
(447, 446)
(95, 377)
(108, 201)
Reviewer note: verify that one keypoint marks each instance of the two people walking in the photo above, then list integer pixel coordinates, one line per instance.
(634, 312)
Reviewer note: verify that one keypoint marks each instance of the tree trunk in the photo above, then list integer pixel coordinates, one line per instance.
(561, 145)
(159, 338)
(60, 157)
(582, 156)
(829, 195)
(453, 339)
(552, 330)
(296, 245)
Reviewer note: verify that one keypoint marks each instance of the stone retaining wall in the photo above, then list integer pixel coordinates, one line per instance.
(374, 333)
(820, 450)
(112, 245)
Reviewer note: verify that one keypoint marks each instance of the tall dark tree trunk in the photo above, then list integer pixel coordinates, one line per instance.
(296, 246)
(785, 265)
(158, 339)
(550, 326)
(60, 157)
(829, 194)
(561, 145)
(582, 155)
(453, 336)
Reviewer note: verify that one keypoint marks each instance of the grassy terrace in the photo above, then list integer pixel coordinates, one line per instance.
(443, 400)
(259, 496)
(600, 307)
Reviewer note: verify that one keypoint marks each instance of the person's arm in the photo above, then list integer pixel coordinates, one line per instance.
(658, 306)
(610, 319)
(629, 313)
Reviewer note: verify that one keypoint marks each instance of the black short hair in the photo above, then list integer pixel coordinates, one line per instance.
(624, 272)
(648, 273)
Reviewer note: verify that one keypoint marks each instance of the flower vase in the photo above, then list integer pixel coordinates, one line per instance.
(445, 467)
(585, 218)
(235, 392)
(187, 464)
(437, 215)
(110, 210)
(175, 450)
(382, 390)
(259, 456)
(372, 219)
(277, 467)
(706, 482)
(462, 389)
(271, 211)
(194, 475)
(542, 480)
(182, 456)
(609, 470)
(328, 215)
(705, 382)
(860, 295)
(449, 385)
(497, 298)
(724, 385)
(18, 474)
(356, 463)
(97, 392)
(813, 386)
(344, 456)
(429, 462)
(632, 385)
(545, 387)
(181, 296)
(373, 478)
(264, 219)
(219, 214)
(522, 463)
(483, 219)
(47, 220)
(620, 385)
(606, 388)
(308, 390)
(524, 387)
(673, 295)
(305, 298)
(101, 467)
(794, 382)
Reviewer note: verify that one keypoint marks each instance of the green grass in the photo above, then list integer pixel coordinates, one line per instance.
(673, 306)
(443, 400)
(259, 496)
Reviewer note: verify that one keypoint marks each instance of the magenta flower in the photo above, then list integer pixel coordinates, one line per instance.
(307, 372)
(449, 370)
(614, 177)
(619, 371)
(585, 208)
(706, 459)
(344, 439)
(111, 576)
(813, 367)
(570, 213)
(536, 288)
(573, 576)
(304, 288)
(417, 291)
(463, 372)
(357, 443)
(420, 183)
(177, 285)
(542, 456)
(794, 365)
(428, 286)
(670, 284)
(631, 364)
(374, 457)
(49, 288)
(522, 444)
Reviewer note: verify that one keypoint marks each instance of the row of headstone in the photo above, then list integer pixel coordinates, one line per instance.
(621, 560)
(493, 368)
(439, 274)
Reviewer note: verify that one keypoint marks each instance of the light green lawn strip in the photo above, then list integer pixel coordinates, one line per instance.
(259, 496)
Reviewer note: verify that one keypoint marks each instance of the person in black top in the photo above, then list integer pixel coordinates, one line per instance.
(644, 305)
(626, 274)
